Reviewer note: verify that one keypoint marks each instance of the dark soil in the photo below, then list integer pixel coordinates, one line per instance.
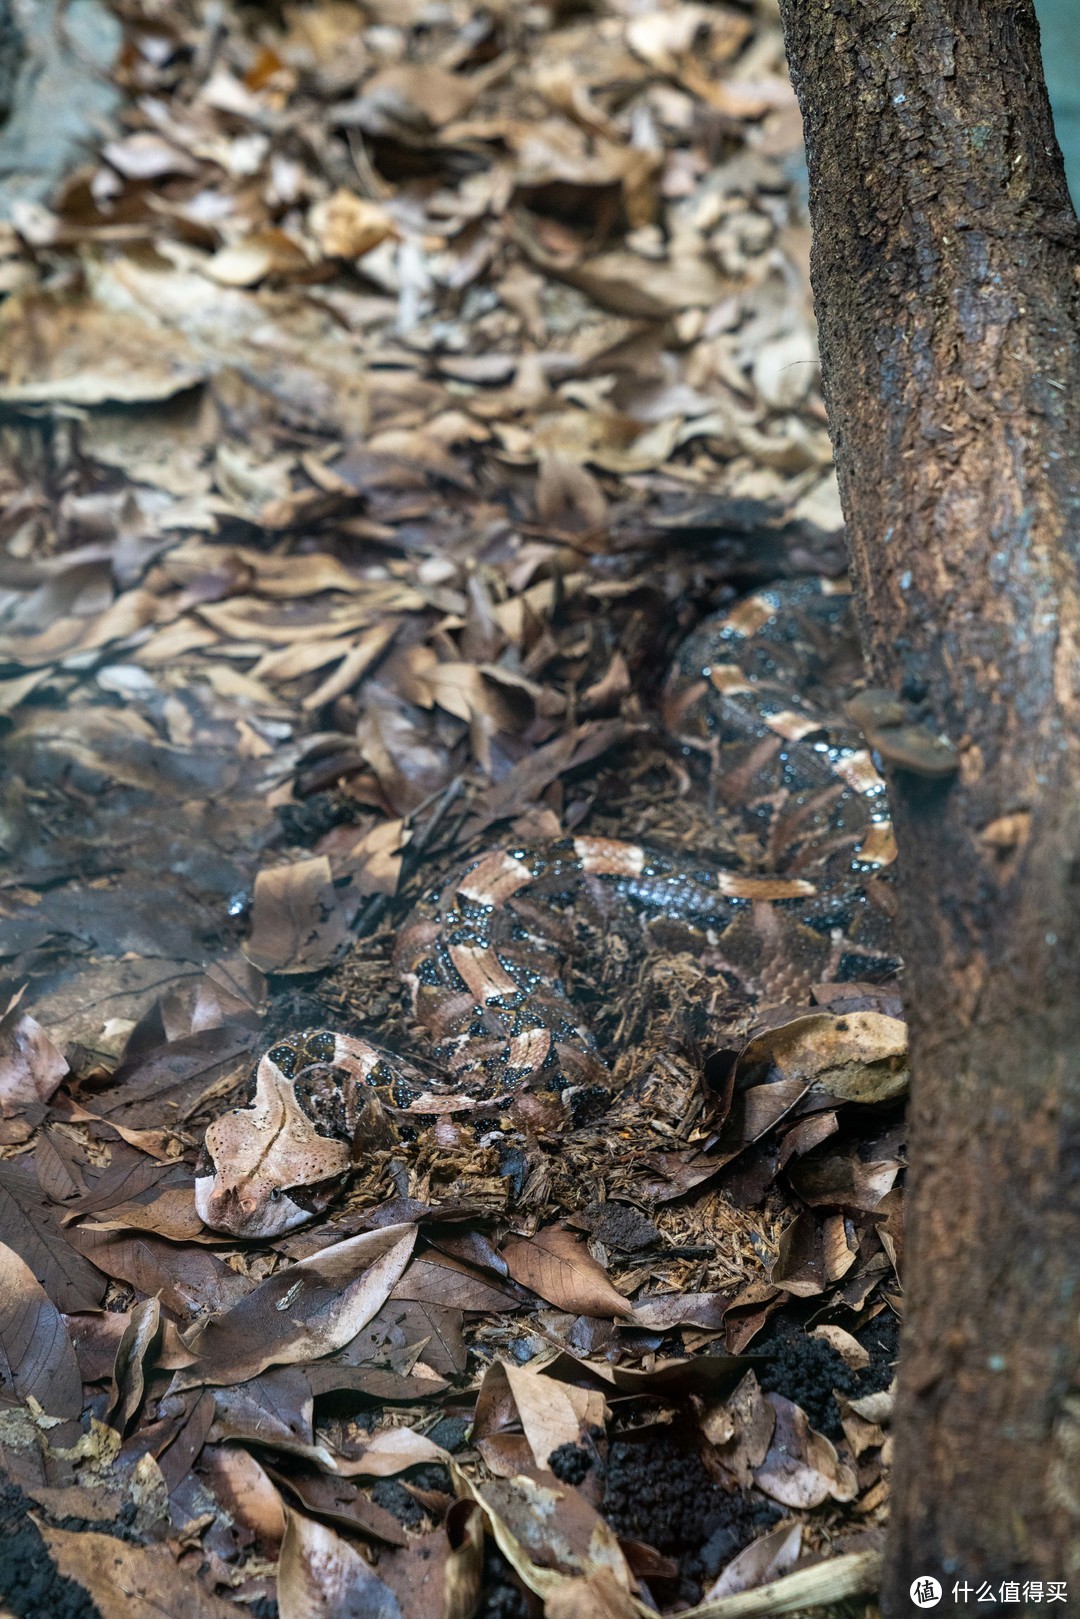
(502, 1596)
(658, 1490)
(305, 822)
(570, 1463)
(29, 1583)
(808, 1371)
(409, 1512)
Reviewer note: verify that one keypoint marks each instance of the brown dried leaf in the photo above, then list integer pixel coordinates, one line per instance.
(342, 1502)
(31, 1067)
(553, 1538)
(320, 1576)
(193, 1416)
(77, 353)
(662, 1311)
(245, 1491)
(419, 98)
(128, 1177)
(802, 1468)
(171, 1214)
(525, 784)
(36, 1358)
(376, 1381)
(741, 1428)
(96, 1339)
(784, 369)
(848, 1348)
(347, 226)
(146, 156)
(463, 1576)
(133, 1582)
(409, 768)
(167, 1084)
(597, 1595)
(274, 1409)
(844, 1179)
(404, 1331)
(817, 1586)
(552, 1413)
(359, 656)
(95, 1503)
(862, 1432)
(568, 497)
(129, 1368)
(799, 1266)
(557, 1266)
(187, 1279)
(30, 1227)
(244, 263)
(307, 1310)
(439, 1280)
(857, 1056)
(58, 1165)
(763, 1560)
(297, 924)
(391, 1451)
(374, 861)
(629, 285)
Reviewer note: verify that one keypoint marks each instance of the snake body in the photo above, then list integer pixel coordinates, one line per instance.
(756, 694)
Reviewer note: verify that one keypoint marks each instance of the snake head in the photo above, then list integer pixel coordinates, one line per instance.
(266, 1168)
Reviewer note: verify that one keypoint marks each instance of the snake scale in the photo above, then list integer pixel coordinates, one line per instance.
(758, 692)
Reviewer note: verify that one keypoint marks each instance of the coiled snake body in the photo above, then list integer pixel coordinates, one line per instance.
(756, 692)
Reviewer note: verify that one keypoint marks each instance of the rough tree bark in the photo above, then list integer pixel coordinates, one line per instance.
(945, 278)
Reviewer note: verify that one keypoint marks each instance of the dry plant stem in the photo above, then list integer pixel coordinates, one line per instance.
(944, 274)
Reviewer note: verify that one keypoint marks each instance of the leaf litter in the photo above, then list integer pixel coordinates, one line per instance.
(385, 396)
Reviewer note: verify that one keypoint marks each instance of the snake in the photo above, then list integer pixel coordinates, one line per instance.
(757, 697)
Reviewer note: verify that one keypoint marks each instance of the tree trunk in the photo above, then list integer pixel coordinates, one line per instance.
(944, 271)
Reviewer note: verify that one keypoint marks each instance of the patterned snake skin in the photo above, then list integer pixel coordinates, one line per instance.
(755, 693)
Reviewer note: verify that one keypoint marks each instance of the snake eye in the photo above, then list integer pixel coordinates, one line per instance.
(275, 1193)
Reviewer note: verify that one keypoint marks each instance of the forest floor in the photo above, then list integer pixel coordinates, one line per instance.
(382, 402)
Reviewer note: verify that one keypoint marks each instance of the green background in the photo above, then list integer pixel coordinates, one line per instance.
(1060, 23)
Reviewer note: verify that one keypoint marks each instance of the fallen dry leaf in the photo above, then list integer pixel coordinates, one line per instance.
(852, 1574)
(30, 1226)
(187, 1278)
(741, 1429)
(858, 1057)
(297, 924)
(552, 1413)
(246, 262)
(801, 1467)
(129, 1369)
(274, 1409)
(320, 1576)
(568, 497)
(170, 1214)
(133, 1582)
(347, 226)
(245, 1490)
(37, 1360)
(307, 1310)
(763, 1560)
(84, 355)
(440, 1280)
(559, 1267)
(391, 1451)
(597, 1595)
(554, 1541)
(342, 1502)
(31, 1067)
